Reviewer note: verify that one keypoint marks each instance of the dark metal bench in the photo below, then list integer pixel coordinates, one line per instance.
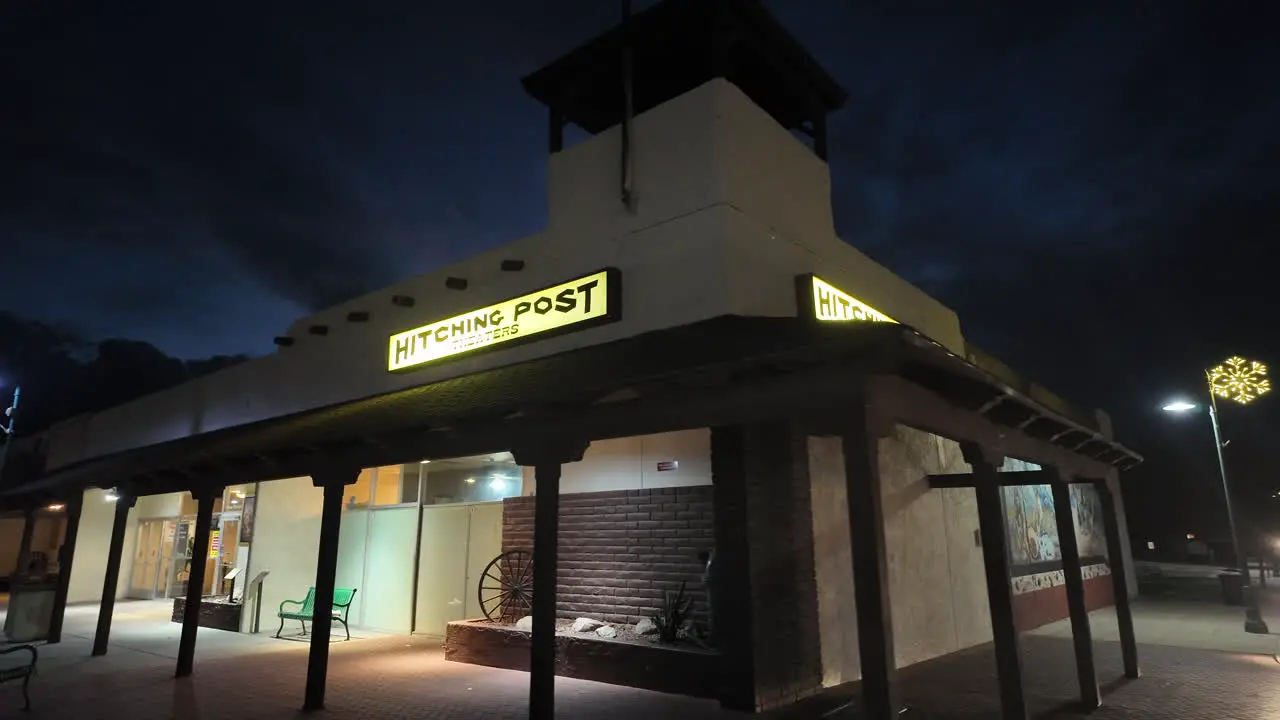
(23, 671)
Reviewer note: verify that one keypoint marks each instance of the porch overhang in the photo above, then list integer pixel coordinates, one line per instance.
(719, 371)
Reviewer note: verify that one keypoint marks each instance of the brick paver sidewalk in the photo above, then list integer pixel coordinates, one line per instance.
(1177, 684)
(247, 677)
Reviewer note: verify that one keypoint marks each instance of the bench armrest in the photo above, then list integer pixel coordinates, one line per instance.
(299, 603)
(29, 648)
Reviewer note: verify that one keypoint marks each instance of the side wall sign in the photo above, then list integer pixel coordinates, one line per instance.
(820, 300)
(580, 303)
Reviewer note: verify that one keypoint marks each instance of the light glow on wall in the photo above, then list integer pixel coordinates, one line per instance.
(1239, 380)
(831, 304)
(592, 298)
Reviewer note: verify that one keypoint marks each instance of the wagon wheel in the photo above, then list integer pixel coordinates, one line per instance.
(506, 587)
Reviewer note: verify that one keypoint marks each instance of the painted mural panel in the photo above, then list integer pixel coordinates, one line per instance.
(1086, 508)
(1031, 525)
(1033, 536)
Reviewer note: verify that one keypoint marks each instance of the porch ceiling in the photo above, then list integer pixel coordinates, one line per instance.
(480, 412)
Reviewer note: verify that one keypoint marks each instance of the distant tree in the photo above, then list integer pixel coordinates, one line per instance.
(63, 375)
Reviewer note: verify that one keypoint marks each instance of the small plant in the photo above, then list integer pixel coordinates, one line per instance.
(673, 615)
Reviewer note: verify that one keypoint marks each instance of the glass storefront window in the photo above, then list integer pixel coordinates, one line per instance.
(358, 493)
(471, 480)
(188, 507)
(235, 497)
(396, 485)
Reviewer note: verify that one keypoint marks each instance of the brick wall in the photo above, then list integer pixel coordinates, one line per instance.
(784, 591)
(619, 551)
(772, 650)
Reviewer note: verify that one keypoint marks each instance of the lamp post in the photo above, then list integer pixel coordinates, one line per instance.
(1241, 381)
(6, 424)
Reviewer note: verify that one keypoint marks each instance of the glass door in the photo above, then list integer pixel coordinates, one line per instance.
(146, 560)
(168, 541)
(225, 551)
(180, 567)
(210, 557)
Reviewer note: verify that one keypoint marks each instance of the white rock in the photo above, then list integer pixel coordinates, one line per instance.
(582, 625)
(607, 632)
(525, 623)
(646, 627)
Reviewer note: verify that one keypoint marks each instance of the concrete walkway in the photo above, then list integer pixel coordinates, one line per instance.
(1174, 622)
(245, 677)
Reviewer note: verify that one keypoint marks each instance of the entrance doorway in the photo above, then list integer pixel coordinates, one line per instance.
(457, 543)
(223, 542)
(461, 534)
(165, 545)
(152, 559)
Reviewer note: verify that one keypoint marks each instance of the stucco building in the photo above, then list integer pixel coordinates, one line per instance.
(687, 358)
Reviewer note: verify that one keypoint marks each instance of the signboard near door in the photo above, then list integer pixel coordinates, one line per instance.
(246, 519)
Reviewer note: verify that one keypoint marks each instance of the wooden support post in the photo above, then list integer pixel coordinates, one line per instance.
(204, 498)
(65, 555)
(112, 578)
(24, 545)
(820, 133)
(555, 131)
(861, 445)
(334, 483)
(1119, 579)
(733, 603)
(542, 659)
(1081, 634)
(995, 559)
(546, 460)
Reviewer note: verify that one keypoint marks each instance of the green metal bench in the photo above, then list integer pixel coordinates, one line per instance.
(342, 598)
(20, 672)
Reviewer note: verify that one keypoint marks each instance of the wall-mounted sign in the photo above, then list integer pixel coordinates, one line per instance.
(668, 465)
(215, 543)
(246, 519)
(820, 300)
(182, 544)
(574, 305)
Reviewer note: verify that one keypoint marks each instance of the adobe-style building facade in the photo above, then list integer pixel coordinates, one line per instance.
(687, 355)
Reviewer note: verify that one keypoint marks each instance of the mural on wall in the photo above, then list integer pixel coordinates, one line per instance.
(1086, 508)
(1033, 535)
(1032, 529)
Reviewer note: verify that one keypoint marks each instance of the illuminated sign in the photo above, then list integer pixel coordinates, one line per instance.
(820, 300)
(574, 305)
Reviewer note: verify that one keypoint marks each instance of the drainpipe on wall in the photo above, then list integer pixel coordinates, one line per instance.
(628, 160)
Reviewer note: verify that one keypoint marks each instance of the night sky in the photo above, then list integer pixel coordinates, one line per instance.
(1092, 186)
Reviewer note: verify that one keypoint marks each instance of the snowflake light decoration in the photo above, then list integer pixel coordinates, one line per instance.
(1239, 380)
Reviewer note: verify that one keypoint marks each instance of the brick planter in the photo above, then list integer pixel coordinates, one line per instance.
(216, 615)
(678, 670)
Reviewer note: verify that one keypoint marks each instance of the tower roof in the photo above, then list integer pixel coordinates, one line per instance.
(678, 45)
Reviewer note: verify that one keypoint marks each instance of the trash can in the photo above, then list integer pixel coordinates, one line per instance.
(1232, 588)
(30, 609)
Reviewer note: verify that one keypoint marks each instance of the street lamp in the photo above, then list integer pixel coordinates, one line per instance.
(6, 425)
(1241, 381)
